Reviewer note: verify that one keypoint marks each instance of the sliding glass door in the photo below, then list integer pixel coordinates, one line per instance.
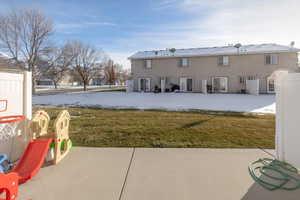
(220, 84)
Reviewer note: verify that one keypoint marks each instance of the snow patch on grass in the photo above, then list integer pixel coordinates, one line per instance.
(163, 101)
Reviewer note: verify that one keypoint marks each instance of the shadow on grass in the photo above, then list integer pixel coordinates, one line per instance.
(196, 123)
(190, 111)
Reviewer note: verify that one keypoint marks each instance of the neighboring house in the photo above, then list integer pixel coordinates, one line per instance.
(3, 60)
(44, 81)
(71, 78)
(66, 80)
(225, 69)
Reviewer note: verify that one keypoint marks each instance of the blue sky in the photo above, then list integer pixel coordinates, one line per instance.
(123, 27)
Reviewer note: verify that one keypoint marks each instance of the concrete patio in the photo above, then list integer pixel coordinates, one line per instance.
(147, 174)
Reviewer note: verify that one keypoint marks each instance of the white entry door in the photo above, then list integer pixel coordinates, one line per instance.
(186, 84)
(220, 84)
(145, 84)
(183, 84)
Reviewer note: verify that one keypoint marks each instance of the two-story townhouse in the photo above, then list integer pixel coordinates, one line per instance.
(225, 69)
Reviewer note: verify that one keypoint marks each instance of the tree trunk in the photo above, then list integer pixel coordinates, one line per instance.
(33, 85)
(32, 69)
(55, 84)
(84, 85)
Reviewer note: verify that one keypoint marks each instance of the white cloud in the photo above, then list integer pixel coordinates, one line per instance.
(225, 22)
(165, 4)
(69, 26)
(101, 24)
(253, 21)
(120, 58)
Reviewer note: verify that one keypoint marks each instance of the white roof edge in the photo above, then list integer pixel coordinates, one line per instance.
(204, 55)
(225, 50)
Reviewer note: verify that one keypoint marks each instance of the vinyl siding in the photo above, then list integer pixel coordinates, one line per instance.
(206, 67)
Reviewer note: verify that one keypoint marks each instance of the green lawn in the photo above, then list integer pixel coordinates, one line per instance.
(135, 128)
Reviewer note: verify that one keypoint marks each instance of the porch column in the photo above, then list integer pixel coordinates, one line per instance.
(163, 85)
(204, 86)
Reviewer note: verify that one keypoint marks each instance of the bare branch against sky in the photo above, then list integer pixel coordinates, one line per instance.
(24, 34)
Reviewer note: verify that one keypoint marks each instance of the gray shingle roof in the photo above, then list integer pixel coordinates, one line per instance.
(210, 51)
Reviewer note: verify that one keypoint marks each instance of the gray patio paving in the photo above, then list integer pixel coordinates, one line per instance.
(86, 173)
(160, 174)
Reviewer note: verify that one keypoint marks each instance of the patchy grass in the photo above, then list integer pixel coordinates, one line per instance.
(136, 128)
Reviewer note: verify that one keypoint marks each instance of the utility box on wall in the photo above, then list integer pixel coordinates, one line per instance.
(288, 118)
(252, 87)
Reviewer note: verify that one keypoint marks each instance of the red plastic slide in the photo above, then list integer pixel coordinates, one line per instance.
(32, 159)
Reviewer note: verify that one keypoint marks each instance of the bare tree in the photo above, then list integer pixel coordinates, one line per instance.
(110, 72)
(24, 34)
(86, 61)
(59, 61)
(114, 73)
(124, 75)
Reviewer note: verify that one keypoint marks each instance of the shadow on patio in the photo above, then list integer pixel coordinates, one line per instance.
(257, 192)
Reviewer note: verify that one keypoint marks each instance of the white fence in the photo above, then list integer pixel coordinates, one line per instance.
(16, 99)
(287, 118)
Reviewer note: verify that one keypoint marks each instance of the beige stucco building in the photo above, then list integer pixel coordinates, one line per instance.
(221, 69)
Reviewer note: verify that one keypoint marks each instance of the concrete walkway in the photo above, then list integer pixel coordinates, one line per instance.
(148, 174)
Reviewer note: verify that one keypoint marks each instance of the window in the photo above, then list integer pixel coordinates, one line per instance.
(189, 84)
(242, 80)
(271, 85)
(148, 64)
(184, 62)
(220, 84)
(223, 60)
(144, 84)
(271, 59)
(251, 77)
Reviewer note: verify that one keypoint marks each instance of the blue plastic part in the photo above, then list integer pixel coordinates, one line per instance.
(3, 158)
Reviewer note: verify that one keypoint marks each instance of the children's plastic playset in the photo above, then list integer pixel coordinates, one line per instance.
(25, 141)
(56, 145)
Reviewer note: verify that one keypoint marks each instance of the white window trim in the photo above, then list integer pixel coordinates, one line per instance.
(148, 64)
(181, 62)
(272, 59)
(227, 61)
(224, 58)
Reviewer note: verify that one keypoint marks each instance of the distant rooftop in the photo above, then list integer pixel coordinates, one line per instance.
(4, 55)
(210, 51)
